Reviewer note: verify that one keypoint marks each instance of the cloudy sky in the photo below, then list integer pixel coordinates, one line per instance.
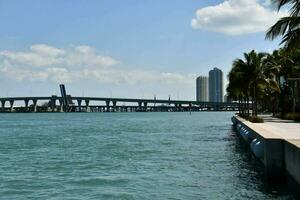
(125, 48)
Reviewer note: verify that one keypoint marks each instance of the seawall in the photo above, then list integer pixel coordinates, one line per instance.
(278, 149)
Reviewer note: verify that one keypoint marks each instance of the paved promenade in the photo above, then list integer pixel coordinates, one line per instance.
(286, 129)
(277, 128)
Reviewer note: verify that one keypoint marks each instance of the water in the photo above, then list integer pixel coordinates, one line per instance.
(127, 156)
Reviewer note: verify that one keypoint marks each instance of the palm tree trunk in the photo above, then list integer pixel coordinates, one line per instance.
(252, 104)
(254, 100)
(244, 106)
(239, 98)
(248, 106)
(294, 96)
(273, 103)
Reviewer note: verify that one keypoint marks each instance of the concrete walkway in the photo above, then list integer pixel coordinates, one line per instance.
(287, 130)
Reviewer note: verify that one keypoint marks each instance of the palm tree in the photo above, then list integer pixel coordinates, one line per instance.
(248, 78)
(258, 80)
(288, 27)
(237, 87)
(242, 81)
(241, 77)
(272, 66)
(284, 65)
(292, 74)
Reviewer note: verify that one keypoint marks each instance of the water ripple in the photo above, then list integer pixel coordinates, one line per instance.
(127, 156)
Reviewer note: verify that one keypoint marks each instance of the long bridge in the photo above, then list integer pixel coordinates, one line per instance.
(98, 104)
(67, 103)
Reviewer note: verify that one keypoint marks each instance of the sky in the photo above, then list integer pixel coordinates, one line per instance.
(125, 48)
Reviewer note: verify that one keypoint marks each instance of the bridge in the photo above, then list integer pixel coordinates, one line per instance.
(98, 104)
(67, 103)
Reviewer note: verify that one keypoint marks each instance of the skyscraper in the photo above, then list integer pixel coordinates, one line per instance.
(216, 85)
(202, 88)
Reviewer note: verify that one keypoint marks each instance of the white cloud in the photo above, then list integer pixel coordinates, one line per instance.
(42, 49)
(236, 17)
(47, 63)
(87, 56)
(42, 55)
(29, 58)
(85, 49)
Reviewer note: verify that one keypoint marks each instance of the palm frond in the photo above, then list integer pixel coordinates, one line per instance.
(291, 40)
(279, 28)
(274, 85)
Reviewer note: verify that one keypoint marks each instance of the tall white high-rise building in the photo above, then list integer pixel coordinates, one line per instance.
(202, 88)
(216, 85)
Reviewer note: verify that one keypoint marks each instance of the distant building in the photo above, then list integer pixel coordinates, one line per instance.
(202, 88)
(216, 85)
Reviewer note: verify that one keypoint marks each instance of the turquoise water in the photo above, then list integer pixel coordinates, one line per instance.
(127, 156)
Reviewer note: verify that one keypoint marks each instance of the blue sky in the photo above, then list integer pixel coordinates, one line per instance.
(124, 48)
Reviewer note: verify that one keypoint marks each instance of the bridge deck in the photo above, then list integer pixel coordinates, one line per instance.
(162, 101)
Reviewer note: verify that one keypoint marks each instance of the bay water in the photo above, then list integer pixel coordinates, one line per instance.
(128, 156)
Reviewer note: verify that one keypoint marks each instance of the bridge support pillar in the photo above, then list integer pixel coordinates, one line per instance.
(145, 106)
(53, 105)
(107, 106)
(26, 105)
(61, 105)
(179, 107)
(3, 106)
(79, 104)
(34, 105)
(11, 105)
(140, 106)
(114, 106)
(87, 107)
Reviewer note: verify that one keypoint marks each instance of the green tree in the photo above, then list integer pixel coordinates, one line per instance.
(237, 87)
(284, 65)
(248, 79)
